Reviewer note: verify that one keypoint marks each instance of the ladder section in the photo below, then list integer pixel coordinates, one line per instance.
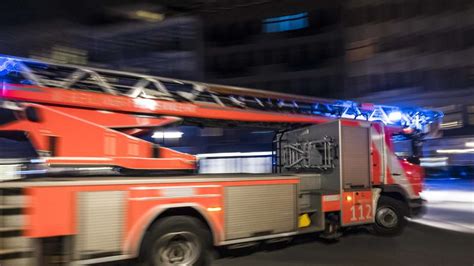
(139, 86)
(316, 154)
(14, 248)
(313, 154)
(66, 140)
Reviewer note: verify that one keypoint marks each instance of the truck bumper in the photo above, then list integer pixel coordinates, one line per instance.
(417, 207)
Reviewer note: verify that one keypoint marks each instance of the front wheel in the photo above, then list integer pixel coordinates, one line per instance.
(390, 217)
(177, 240)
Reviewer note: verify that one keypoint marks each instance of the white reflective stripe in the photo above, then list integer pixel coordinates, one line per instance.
(379, 143)
(177, 192)
(331, 197)
(10, 172)
(166, 187)
(176, 197)
(234, 154)
(79, 158)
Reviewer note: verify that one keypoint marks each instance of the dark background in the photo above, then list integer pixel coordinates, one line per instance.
(403, 52)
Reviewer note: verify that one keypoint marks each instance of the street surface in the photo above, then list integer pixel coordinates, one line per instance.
(418, 245)
(443, 236)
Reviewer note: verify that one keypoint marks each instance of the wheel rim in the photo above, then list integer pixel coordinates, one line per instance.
(386, 217)
(177, 248)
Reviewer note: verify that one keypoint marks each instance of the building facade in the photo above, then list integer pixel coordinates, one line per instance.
(286, 46)
(399, 52)
(419, 53)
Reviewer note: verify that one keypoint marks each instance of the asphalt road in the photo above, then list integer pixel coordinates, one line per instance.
(418, 245)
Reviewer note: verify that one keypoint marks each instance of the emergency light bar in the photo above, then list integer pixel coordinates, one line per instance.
(146, 88)
(413, 117)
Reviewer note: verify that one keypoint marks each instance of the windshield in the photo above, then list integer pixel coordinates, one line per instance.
(407, 147)
(402, 146)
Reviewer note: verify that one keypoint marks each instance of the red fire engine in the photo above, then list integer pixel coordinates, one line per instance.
(334, 167)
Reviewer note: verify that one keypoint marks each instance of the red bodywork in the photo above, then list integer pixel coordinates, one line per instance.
(97, 129)
(52, 212)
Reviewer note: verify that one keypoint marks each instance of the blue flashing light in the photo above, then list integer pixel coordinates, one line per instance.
(395, 116)
(7, 65)
(286, 23)
(415, 118)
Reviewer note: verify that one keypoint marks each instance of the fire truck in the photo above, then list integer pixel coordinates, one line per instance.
(334, 167)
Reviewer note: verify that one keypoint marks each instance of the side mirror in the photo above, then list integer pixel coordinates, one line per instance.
(414, 160)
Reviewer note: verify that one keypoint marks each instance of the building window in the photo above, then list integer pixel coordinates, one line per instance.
(286, 23)
(451, 121)
(470, 114)
(470, 119)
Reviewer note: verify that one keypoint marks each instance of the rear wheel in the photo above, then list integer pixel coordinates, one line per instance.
(390, 217)
(177, 240)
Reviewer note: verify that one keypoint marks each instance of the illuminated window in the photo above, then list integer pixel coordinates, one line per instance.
(286, 23)
(451, 121)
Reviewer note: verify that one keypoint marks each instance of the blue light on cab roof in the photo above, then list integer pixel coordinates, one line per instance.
(395, 116)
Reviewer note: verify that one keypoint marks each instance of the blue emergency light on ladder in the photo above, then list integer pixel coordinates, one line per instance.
(413, 117)
(41, 73)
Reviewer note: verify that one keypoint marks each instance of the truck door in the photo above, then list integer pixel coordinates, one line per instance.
(356, 174)
(355, 157)
(378, 154)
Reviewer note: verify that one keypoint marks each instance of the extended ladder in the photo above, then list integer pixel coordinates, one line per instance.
(27, 71)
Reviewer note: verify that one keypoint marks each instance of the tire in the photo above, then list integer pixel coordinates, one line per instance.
(177, 240)
(390, 217)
